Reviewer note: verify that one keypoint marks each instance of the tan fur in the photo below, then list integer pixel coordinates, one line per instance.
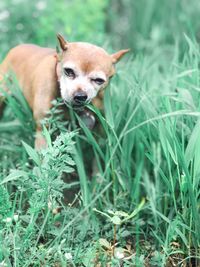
(39, 70)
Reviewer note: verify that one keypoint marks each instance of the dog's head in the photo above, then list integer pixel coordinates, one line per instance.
(83, 70)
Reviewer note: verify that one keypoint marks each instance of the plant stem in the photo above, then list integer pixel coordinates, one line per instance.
(114, 239)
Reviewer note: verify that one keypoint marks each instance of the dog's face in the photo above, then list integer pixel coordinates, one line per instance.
(84, 70)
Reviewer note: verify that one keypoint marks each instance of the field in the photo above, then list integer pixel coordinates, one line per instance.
(125, 195)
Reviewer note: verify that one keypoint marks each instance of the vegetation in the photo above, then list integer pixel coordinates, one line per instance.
(132, 190)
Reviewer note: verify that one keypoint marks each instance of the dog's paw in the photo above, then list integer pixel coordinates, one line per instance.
(40, 142)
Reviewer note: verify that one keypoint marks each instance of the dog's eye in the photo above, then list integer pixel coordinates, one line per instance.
(98, 81)
(69, 72)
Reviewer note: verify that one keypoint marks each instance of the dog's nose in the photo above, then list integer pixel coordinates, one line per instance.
(80, 97)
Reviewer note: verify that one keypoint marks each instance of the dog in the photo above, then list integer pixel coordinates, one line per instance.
(77, 74)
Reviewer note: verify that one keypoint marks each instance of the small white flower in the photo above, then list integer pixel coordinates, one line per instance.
(15, 217)
(119, 253)
(8, 220)
(3, 264)
(50, 205)
(63, 241)
(41, 5)
(68, 256)
(4, 14)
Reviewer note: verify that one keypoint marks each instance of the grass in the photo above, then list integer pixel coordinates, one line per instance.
(149, 148)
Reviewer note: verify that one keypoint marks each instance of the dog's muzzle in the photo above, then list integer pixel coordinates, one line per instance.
(80, 98)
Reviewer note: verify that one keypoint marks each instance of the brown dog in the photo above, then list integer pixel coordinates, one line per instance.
(77, 75)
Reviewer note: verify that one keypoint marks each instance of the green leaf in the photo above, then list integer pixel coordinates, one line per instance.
(121, 213)
(116, 220)
(135, 212)
(102, 213)
(32, 153)
(104, 243)
(14, 175)
(47, 136)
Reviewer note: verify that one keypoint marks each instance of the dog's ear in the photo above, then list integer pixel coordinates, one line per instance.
(62, 42)
(118, 55)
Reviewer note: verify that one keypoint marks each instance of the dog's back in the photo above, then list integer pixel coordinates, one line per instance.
(25, 61)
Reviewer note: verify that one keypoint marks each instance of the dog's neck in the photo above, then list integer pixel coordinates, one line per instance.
(57, 74)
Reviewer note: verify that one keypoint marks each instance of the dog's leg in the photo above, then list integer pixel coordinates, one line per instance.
(2, 88)
(39, 113)
(40, 141)
(41, 105)
(2, 104)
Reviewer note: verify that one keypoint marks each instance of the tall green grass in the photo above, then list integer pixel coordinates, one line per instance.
(151, 148)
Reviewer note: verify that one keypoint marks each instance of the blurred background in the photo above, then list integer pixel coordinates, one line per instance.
(138, 24)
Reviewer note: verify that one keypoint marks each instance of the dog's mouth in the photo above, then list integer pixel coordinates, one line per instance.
(76, 105)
